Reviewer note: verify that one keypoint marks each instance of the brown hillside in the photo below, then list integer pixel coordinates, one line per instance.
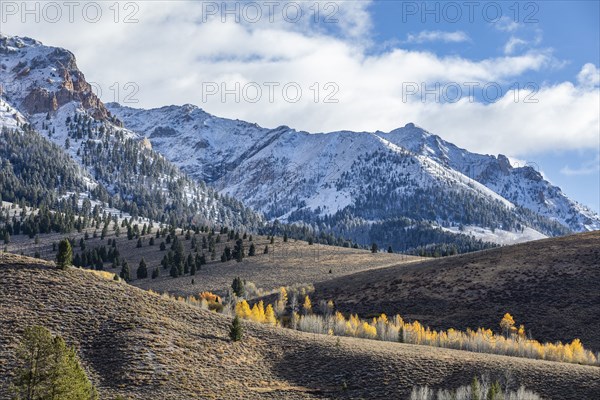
(142, 346)
(287, 263)
(550, 286)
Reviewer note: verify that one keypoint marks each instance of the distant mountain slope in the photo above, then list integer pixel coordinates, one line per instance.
(550, 286)
(348, 180)
(43, 91)
(141, 346)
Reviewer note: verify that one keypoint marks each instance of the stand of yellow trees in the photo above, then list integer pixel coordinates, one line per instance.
(512, 342)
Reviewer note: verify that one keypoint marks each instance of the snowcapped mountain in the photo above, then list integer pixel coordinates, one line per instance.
(406, 188)
(43, 91)
(285, 173)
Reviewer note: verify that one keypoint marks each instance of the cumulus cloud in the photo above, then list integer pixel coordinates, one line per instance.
(589, 76)
(176, 50)
(438, 36)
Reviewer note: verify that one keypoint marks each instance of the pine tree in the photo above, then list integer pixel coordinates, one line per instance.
(49, 369)
(139, 243)
(236, 331)
(252, 250)
(238, 287)
(125, 274)
(266, 250)
(155, 273)
(390, 249)
(64, 257)
(142, 271)
(163, 246)
(174, 272)
(374, 248)
(238, 251)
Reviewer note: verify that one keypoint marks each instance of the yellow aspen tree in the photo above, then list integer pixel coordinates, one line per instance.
(261, 311)
(368, 331)
(242, 309)
(330, 307)
(270, 316)
(507, 323)
(307, 306)
(258, 312)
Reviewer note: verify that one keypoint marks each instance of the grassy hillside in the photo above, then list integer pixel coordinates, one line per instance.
(550, 286)
(142, 346)
(287, 263)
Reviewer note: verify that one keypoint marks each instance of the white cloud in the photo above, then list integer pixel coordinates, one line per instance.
(512, 44)
(438, 36)
(171, 53)
(507, 24)
(589, 76)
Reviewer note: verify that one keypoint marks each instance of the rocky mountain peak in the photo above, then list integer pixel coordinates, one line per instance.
(41, 79)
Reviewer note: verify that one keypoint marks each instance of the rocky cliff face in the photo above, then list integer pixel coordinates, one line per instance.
(41, 79)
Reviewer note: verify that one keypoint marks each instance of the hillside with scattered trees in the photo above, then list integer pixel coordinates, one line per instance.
(138, 345)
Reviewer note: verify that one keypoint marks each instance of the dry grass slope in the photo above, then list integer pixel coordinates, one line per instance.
(142, 346)
(550, 285)
(288, 263)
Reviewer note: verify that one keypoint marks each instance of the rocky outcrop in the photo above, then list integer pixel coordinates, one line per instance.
(49, 79)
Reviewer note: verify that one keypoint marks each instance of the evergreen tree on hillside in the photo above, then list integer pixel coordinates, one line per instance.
(235, 330)
(64, 257)
(125, 274)
(238, 250)
(142, 271)
(238, 287)
(49, 369)
(374, 248)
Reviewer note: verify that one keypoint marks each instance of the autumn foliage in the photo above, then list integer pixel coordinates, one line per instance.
(512, 341)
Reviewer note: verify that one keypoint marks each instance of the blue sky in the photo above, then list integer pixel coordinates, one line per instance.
(570, 30)
(374, 59)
